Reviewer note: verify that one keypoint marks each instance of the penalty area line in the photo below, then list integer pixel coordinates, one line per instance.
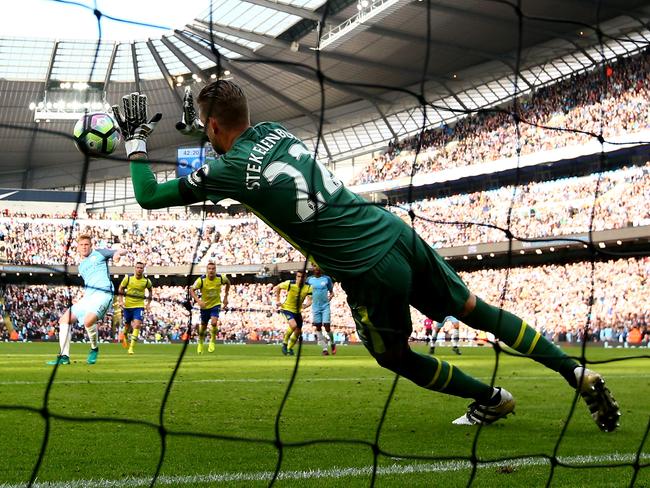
(332, 473)
(549, 377)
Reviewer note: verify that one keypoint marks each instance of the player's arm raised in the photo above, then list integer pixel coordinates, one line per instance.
(120, 252)
(136, 128)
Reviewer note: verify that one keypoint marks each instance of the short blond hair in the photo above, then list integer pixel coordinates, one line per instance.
(84, 237)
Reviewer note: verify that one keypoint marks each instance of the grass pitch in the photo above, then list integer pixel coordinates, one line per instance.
(231, 399)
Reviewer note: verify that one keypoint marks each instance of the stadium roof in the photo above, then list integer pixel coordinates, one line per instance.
(270, 47)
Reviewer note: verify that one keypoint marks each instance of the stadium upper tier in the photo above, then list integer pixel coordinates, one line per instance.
(560, 121)
(570, 113)
(552, 298)
(555, 208)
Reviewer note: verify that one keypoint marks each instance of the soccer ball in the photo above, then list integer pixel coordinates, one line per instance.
(97, 134)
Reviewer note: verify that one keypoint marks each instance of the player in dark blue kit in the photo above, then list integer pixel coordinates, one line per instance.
(322, 294)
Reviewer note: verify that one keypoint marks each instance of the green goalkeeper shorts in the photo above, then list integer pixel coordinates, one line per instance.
(411, 273)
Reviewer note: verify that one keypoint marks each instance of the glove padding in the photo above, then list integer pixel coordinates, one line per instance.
(190, 125)
(133, 122)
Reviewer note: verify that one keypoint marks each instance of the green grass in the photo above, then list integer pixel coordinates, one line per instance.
(236, 393)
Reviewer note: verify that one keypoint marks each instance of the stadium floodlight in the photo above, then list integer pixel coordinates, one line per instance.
(69, 100)
(369, 13)
(60, 110)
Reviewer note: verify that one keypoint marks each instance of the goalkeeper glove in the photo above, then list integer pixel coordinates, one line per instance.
(133, 123)
(190, 125)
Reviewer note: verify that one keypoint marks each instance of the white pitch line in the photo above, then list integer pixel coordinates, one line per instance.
(177, 380)
(333, 473)
(263, 380)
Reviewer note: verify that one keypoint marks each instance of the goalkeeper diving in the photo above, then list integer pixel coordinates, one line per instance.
(383, 265)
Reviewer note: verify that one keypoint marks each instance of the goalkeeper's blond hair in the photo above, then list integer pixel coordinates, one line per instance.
(84, 237)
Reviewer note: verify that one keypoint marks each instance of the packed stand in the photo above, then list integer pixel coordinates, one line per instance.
(553, 298)
(583, 102)
(554, 208)
(45, 242)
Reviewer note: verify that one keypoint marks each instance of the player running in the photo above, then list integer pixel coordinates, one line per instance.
(322, 289)
(297, 299)
(209, 286)
(455, 333)
(430, 333)
(96, 300)
(383, 265)
(131, 295)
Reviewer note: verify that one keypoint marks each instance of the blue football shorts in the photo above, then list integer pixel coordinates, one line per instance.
(321, 315)
(207, 313)
(97, 303)
(133, 314)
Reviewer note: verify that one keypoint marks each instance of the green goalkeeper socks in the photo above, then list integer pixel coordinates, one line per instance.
(521, 337)
(434, 374)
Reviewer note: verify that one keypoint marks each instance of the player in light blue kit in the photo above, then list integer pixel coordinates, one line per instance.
(322, 293)
(97, 298)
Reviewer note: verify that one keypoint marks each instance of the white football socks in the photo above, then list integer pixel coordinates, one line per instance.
(454, 338)
(92, 335)
(64, 339)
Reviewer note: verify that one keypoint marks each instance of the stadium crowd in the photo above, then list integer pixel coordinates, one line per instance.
(552, 298)
(46, 241)
(554, 208)
(582, 103)
(544, 209)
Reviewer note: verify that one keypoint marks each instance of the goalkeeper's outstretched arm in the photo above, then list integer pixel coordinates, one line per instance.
(148, 192)
(136, 127)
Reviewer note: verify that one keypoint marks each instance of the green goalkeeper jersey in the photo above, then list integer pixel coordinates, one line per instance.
(272, 173)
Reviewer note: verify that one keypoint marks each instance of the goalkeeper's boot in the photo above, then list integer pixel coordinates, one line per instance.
(60, 359)
(199, 348)
(500, 405)
(285, 351)
(211, 346)
(604, 409)
(92, 355)
(333, 349)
